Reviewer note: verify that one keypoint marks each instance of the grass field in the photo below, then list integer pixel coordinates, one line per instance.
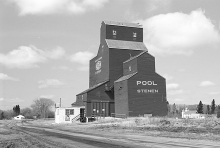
(206, 129)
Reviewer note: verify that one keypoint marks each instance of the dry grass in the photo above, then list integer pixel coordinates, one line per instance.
(208, 129)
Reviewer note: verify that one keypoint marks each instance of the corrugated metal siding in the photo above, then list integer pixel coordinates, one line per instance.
(126, 45)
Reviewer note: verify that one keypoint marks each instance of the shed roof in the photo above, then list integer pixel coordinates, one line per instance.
(119, 44)
(70, 107)
(93, 87)
(125, 77)
(137, 25)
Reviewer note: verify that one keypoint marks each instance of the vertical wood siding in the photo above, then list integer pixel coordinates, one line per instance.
(96, 77)
(130, 67)
(116, 59)
(124, 33)
(121, 97)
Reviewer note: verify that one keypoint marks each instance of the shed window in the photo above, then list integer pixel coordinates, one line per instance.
(69, 111)
(72, 112)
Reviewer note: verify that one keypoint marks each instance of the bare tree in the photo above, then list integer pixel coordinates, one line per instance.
(41, 107)
(27, 113)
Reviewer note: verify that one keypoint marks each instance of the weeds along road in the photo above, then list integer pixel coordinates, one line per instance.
(29, 136)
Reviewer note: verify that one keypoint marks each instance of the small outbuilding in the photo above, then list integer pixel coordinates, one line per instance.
(69, 114)
(192, 114)
(19, 117)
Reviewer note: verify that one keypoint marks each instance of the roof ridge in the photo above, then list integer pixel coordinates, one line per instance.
(128, 24)
(135, 56)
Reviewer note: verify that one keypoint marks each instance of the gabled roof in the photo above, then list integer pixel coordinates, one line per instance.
(126, 77)
(135, 56)
(119, 44)
(123, 24)
(91, 88)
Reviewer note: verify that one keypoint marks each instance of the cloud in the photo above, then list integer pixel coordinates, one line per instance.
(179, 33)
(175, 92)
(167, 77)
(82, 58)
(172, 86)
(29, 56)
(1, 99)
(6, 77)
(214, 93)
(63, 68)
(179, 100)
(206, 83)
(153, 5)
(50, 83)
(15, 100)
(57, 6)
(56, 53)
(47, 96)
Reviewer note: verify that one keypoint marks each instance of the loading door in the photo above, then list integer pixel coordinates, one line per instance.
(100, 109)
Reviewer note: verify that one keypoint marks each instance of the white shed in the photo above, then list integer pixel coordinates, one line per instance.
(192, 114)
(68, 114)
(19, 117)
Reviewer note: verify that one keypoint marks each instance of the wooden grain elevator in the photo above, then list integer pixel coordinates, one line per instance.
(122, 77)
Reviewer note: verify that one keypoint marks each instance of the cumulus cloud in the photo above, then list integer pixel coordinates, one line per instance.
(179, 33)
(82, 58)
(50, 83)
(172, 86)
(206, 83)
(56, 6)
(6, 77)
(29, 56)
(56, 53)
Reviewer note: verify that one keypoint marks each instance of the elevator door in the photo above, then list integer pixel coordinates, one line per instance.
(100, 108)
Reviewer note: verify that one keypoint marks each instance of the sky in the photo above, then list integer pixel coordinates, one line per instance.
(46, 45)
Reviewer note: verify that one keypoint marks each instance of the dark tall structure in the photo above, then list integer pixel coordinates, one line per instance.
(122, 76)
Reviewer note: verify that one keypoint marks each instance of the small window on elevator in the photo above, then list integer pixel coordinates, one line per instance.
(134, 36)
(114, 33)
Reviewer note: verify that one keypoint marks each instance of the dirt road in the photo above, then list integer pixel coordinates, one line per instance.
(27, 136)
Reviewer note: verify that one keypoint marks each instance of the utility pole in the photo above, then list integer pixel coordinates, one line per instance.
(60, 102)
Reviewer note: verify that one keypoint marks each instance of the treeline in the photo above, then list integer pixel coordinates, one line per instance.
(175, 110)
(40, 108)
